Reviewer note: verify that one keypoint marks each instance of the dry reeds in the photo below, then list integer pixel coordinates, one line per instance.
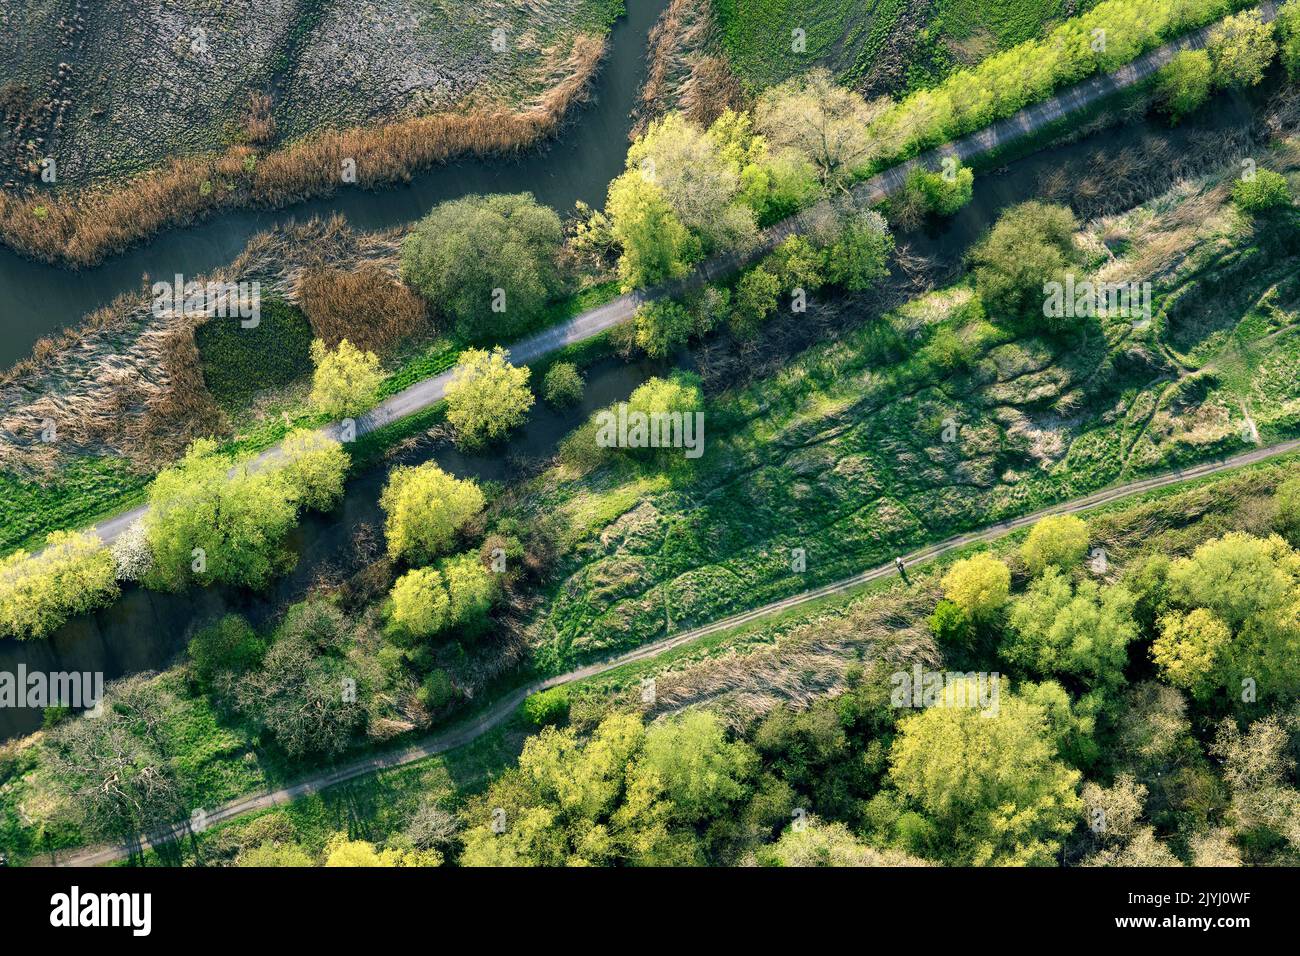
(82, 229)
(367, 306)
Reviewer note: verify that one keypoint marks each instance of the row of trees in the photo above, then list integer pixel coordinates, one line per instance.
(1240, 49)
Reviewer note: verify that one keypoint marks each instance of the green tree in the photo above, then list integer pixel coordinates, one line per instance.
(655, 245)
(346, 380)
(1188, 650)
(275, 854)
(487, 263)
(486, 397)
(212, 521)
(471, 591)
(1184, 83)
(1058, 541)
(950, 624)
(689, 762)
(314, 466)
(1241, 48)
(816, 843)
(662, 327)
(1264, 191)
(228, 645)
(1030, 245)
(73, 574)
(991, 787)
(1082, 631)
(978, 585)
(755, 299)
(938, 193)
(563, 384)
(859, 257)
(421, 607)
(1288, 29)
(425, 509)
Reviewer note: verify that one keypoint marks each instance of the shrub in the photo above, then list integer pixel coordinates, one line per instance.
(755, 300)
(420, 604)
(486, 262)
(1241, 48)
(425, 508)
(73, 574)
(1287, 519)
(662, 327)
(563, 384)
(314, 467)
(471, 591)
(1030, 245)
(346, 381)
(938, 193)
(547, 706)
(859, 257)
(1184, 83)
(486, 397)
(1264, 191)
(978, 585)
(228, 645)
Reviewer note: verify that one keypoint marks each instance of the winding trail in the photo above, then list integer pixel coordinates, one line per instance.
(500, 711)
(1032, 119)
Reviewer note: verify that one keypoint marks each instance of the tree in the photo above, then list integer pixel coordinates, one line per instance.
(1083, 631)
(1264, 191)
(1287, 502)
(340, 851)
(815, 843)
(471, 591)
(73, 574)
(950, 624)
(420, 603)
(655, 245)
(798, 264)
(563, 384)
(859, 257)
(314, 466)
(755, 300)
(990, 786)
(1058, 541)
(486, 263)
(662, 327)
(487, 396)
(689, 762)
(547, 706)
(1188, 648)
(346, 380)
(1288, 28)
(824, 123)
(1184, 83)
(978, 585)
(275, 854)
(1257, 766)
(697, 183)
(1031, 245)
(773, 185)
(425, 509)
(228, 645)
(1241, 47)
(939, 193)
(212, 521)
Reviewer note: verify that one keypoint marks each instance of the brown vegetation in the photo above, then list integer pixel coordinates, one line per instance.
(367, 306)
(687, 70)
(82, 229)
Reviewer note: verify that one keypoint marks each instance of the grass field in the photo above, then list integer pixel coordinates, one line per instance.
(885, 46)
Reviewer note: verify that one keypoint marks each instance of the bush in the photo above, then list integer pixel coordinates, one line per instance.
(662, 327)
(859, 258)
(471, 591)
(563, 384)
(1030, 245)
(939, 194)
(1288, 29)
(547, 706)
(72, 575)
(755, 299)
(346, 381)
(486, 397)
(488, 263)
(1264, 191)
(420, 604)
(978, 586)
(425, 509)
(437, 691)
(228, 645)
(1184, 83)
(1241, 48)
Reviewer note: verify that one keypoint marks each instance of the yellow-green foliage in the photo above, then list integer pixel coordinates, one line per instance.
(487, 396)
(979, 585)
(426, 507)
(1056, 541)
(346, 379)
(38, 593)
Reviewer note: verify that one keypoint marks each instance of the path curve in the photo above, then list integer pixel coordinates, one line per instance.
(473, 728)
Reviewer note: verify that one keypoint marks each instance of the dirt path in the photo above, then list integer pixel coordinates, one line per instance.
(502, 709)
(1030, 120)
